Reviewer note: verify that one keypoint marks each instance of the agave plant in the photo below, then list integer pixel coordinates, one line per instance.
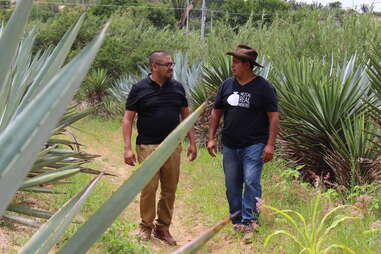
(122, 86)
(54, 162)
(325, 123)
(94, 88)
(34, 95)
(59, 159)
(185, 72)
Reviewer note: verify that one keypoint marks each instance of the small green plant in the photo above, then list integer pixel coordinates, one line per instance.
(312, 236)
(366, 196)
(291, 173)
(117, 239)
(331, 194)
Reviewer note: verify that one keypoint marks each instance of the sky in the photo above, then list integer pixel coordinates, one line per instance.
(348, 3)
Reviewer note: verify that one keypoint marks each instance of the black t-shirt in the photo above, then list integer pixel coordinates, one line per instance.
(245, 120)
(158, 108)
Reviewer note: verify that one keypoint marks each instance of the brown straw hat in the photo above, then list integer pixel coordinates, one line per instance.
(246, 53)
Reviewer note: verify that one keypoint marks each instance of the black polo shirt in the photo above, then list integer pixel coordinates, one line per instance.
(158, 108)
(245, 111)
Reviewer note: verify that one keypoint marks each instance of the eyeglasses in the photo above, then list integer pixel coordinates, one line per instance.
(166, 64)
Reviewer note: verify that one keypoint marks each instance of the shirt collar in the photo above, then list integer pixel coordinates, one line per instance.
(152, 82)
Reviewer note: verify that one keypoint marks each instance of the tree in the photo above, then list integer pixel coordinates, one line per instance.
(335, 5)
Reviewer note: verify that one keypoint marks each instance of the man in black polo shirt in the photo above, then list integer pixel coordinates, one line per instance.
(248, 103)
(158, 101)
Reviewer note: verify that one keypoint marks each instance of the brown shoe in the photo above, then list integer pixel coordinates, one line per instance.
(145, 233)
(247, 237)
(238, 228)
(248, 232)
(165, 236)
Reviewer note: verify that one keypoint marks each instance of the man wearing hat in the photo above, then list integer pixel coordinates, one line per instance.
(248, 103)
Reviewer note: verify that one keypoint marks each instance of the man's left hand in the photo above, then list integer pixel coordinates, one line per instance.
(192, 152)
(268, 153)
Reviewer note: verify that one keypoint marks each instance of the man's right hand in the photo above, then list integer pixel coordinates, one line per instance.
(212, 147)
(129, 157)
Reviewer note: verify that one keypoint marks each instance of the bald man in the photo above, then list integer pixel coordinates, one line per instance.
(160, 103)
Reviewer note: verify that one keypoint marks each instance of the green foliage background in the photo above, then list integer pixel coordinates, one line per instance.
(286, 30)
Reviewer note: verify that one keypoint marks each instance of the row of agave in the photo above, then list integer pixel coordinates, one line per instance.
(44, 88)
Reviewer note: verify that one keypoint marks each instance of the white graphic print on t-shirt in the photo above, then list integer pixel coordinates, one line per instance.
(233, 99)
(241, 100)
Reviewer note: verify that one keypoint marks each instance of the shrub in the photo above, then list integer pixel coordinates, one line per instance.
(325, 124)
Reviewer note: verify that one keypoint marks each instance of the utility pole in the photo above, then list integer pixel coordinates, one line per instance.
(203, 19)
(211, 21)
(187, 20)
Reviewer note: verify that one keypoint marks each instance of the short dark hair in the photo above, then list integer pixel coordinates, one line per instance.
(154, 54)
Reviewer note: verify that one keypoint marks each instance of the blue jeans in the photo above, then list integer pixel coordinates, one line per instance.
(243, 170)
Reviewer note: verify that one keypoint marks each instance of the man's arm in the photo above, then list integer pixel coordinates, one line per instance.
(214, 121)
(192, 150)
(128, 119)
(268, 151)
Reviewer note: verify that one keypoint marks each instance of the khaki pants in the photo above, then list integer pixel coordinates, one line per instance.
(168, 175)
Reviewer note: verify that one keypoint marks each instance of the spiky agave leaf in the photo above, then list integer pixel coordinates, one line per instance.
(27, 210)
(28, 76)
(45, 238)
(21, 220)
(122, 87)
(374, 71)
(10, 37)
(197, 243)
(354, 152)
(188, 74)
